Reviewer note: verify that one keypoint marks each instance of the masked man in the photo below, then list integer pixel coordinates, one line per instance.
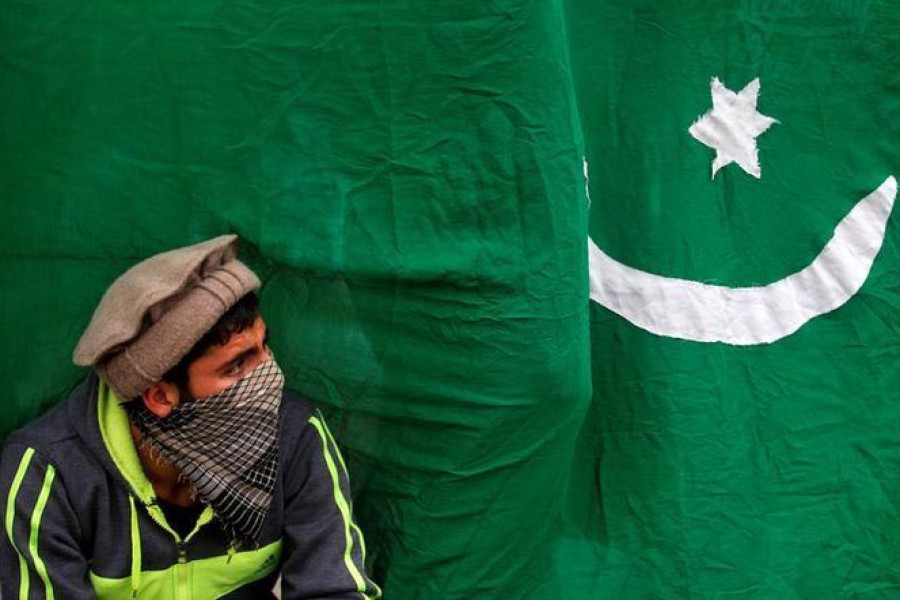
(179, 468)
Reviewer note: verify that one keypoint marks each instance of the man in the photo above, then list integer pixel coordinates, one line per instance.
(179, 468)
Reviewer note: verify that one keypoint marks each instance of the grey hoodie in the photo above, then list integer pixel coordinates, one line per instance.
(82, 520)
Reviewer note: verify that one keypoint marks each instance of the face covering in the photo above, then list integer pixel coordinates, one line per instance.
(225, 445)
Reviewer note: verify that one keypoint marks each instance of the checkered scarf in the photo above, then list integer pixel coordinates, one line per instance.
(225, 445)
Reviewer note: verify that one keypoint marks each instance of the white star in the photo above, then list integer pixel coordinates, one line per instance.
(732, 126)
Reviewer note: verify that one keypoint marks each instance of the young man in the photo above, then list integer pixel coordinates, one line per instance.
(179, 468)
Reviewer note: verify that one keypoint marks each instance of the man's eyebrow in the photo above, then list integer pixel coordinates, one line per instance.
(239, 357)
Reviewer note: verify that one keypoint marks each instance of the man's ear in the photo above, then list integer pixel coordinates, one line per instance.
(160, 398)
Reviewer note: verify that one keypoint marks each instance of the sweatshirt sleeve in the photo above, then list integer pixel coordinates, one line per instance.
(39, 553)
(324, 548)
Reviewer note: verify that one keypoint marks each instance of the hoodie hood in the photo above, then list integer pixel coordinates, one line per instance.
(102, 423)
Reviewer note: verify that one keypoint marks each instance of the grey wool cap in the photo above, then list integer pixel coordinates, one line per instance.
(154, 313)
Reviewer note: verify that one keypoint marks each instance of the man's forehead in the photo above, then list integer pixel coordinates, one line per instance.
(237, 343)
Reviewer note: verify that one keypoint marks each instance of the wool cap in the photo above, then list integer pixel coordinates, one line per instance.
(153, 314)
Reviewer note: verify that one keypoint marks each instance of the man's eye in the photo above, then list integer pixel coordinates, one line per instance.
(235, 367)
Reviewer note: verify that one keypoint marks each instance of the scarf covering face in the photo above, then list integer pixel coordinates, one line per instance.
(225, 445)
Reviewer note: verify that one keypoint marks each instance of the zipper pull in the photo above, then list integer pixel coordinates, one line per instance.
(182, 552)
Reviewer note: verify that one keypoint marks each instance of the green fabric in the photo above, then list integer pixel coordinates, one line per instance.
(202, 579)
(759, 472)
(406, 178)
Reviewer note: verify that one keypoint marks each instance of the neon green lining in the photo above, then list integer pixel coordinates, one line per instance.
(205, 517)
(343, 507)
(208, 578)
(359, 535)
(115, 430)
(353, 525)
(135, 549)
(10, 514)
(39, 565)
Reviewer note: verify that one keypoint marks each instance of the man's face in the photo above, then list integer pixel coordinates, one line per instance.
(222, 365)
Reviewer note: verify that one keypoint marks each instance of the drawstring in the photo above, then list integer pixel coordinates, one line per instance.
(135, 550)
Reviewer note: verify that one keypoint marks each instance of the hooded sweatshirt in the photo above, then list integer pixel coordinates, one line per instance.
(83, 521)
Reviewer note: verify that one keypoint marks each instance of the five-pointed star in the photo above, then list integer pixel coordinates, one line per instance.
(732, 126)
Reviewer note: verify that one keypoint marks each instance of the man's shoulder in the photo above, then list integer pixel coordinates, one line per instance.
(295, 413)
(52, 434)
(46, 431)
(296, 430)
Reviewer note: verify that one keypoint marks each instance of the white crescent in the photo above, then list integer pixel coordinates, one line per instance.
(744, 316)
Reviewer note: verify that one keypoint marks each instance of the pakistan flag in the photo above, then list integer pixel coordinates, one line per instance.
(601, 299)
(745, 286)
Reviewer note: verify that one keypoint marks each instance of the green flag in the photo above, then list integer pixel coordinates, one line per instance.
(600, 298)
(406, 180)
(744, 269)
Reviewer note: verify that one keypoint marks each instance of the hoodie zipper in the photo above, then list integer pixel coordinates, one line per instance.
(155, 513)
(182, 566)
(114, 426)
